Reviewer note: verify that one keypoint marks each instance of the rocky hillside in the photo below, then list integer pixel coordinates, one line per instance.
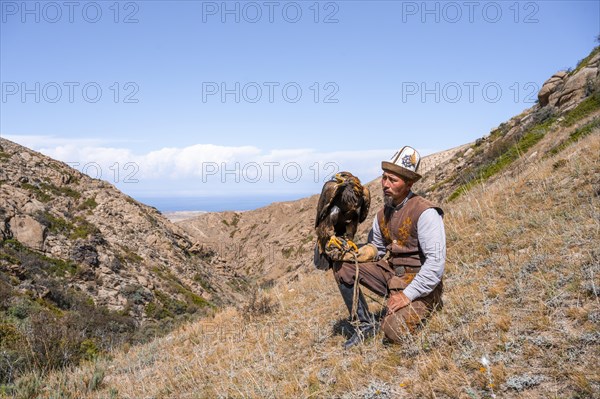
(72, 246)
(113, 247)
(275, 241)
(565, 111)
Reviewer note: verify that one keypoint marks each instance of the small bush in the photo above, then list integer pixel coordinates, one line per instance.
(259, 304)
(60, 191)
(55, 224)
(39, 194)
(83, 229)
(89, 204)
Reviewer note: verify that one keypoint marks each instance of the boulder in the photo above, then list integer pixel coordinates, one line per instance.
(550, 87)
(28, 231)
(86, 254)
(575, 88)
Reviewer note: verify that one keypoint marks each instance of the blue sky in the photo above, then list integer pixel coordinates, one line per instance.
(212, 99)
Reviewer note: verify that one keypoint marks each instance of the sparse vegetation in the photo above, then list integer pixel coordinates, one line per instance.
(484, 172)
(37, 192)
(584, 62)
(585, 108)
(45, 191)
(521, 306)
(575, 136)
(88, 204)
(129, 256)
(83, 229)
(60, 191)
(45, 330)
(203, 281)
(193, 302)
(259, 304)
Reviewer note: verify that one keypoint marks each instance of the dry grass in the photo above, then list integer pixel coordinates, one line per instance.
(521, 316)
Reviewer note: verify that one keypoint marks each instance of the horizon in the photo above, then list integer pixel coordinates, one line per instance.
(209, 204)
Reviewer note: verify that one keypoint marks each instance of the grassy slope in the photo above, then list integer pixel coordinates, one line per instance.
(522, 287)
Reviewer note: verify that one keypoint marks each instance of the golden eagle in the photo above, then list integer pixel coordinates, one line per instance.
(343, 204)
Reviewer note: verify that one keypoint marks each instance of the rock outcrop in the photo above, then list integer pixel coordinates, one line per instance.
(565, 90)
(550, 86)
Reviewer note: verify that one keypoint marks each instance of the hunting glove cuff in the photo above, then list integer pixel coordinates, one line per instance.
(366, 253)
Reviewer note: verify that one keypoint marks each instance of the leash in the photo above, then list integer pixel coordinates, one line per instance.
(355, 294)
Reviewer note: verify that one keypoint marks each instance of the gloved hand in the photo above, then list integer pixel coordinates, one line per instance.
(366, 253)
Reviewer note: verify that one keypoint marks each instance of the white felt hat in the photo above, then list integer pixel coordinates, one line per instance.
(405, 163)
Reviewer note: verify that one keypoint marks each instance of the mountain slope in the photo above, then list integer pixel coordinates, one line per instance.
(75, 248)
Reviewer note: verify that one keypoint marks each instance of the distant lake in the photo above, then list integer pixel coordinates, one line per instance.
(215, 204)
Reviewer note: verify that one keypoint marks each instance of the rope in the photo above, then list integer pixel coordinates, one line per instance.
(355, 294)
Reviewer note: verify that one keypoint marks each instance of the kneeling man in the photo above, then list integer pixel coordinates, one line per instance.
(404, 259)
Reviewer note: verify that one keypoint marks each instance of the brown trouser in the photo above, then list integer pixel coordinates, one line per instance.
(380, 278)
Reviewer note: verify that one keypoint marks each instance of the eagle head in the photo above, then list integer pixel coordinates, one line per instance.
(344, 177)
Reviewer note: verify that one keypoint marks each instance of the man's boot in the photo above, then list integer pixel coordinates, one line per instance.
(367, 327)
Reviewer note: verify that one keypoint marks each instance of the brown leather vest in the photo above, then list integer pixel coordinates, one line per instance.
(400, 233)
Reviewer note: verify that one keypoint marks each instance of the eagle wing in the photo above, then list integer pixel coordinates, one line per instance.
(328, 194)
(366, 204)
(327, 211)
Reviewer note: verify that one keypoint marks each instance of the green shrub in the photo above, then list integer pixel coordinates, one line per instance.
(37, 192)
(55, 224)
(60, 191)
(89, 204)
(89, 349)
(83, 229)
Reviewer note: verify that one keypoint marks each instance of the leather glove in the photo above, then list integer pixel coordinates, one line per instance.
(366, 253)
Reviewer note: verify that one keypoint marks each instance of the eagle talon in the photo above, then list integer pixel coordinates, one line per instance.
(352, 246)
(336, 242)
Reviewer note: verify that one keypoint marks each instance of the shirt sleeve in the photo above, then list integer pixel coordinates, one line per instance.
(376, 239)
(432, 240)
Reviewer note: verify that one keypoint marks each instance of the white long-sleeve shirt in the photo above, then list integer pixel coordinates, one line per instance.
(432, 240)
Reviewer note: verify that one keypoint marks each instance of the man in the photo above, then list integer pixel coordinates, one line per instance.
(404, 259)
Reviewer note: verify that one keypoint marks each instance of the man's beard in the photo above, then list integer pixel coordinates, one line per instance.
(388, 201)
(388, 208)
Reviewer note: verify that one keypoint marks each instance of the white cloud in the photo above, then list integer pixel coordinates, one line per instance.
(207, 168)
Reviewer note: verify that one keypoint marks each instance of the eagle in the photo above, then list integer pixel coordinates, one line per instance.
(343, 204)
